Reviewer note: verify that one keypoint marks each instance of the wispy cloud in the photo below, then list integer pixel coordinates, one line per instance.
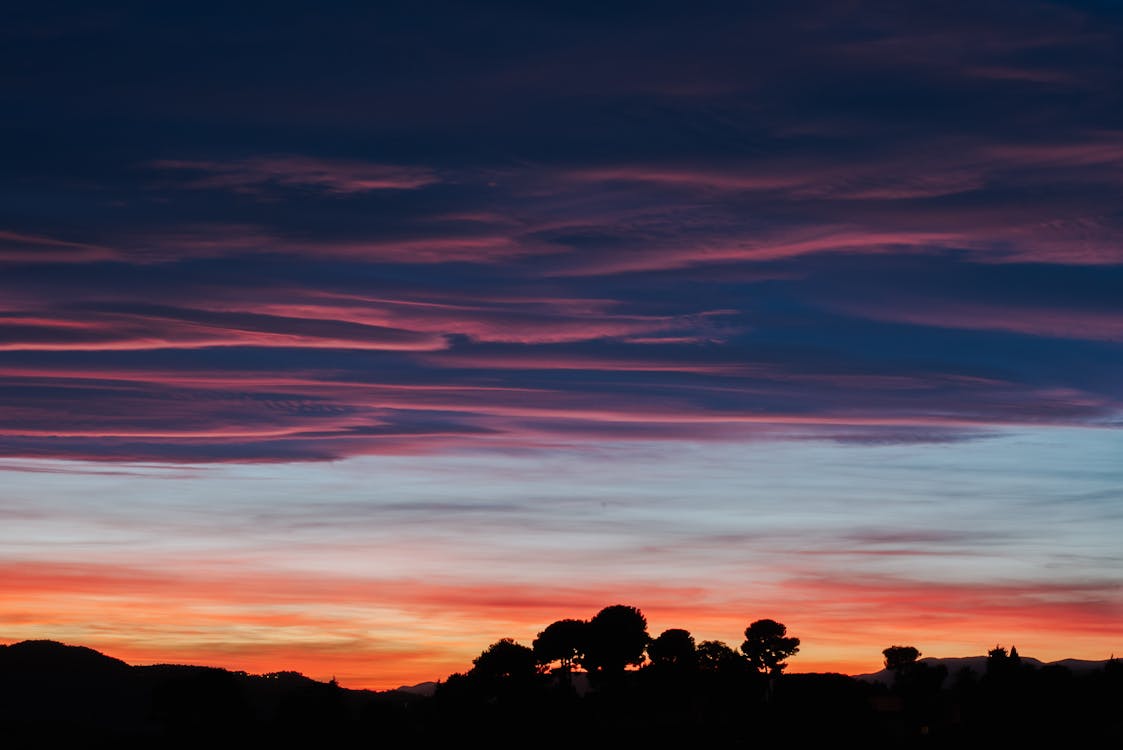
(1095, 325)
(258, 174)
(23, 247)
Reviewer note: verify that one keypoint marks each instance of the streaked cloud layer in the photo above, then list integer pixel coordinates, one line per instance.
(381, 234)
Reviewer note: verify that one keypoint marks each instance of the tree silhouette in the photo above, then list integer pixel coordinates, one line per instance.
(717, 656)
(673, 648)
(506, 661)
(767, 645)
(900, 658)
(1003, 665)
(562, 641)
(616, 638)
(996, 659)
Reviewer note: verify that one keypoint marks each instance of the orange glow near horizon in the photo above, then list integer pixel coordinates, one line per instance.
(382, 635)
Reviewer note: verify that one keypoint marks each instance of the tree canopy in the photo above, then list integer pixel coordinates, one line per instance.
(673, 648)
(718, 656)
(561, 641)
(898, 658)
(767, 644)
(615, 639)
(505, 660)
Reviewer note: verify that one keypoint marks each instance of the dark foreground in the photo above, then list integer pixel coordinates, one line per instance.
(53, 696)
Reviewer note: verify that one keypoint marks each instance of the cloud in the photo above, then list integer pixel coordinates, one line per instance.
(796, 178)
(295, 361)
(20, 247)
(772, 246)
(211, 413)
(138, 327)
(1093, 325)
(436, 242)
(506, 319)
(259, 174)
(364, 629)
(1080, 607)
(754, 230)
(367, 629)
(1070, 303)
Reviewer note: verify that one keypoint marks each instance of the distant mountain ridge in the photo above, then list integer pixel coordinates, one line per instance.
(979, 664)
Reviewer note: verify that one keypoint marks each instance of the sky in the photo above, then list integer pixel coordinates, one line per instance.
(350, 338)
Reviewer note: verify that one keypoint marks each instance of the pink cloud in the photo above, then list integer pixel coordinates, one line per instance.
(295, 317)
(20, 247)
(769, 246)
(147, 413)
(1039, 320)
(1099, 149)
(747, 178)
(175, 328)
(533, 359)
(870, 203)
(452, 245)
(254, 174)
(502, 319)
(880, 180)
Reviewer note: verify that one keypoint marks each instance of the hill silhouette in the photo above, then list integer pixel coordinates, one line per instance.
(52, 656)
(55, 693)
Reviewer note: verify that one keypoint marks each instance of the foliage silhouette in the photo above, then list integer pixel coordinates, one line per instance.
(505, 660)
(767, 644)
(616, 638)
(900, 658)
(674, 648)
(504, 669)
(563, 642)
(718, 656)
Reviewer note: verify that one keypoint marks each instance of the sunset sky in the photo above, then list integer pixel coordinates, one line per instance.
(350, 338)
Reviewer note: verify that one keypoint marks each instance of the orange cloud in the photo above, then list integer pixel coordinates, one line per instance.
(384, 633)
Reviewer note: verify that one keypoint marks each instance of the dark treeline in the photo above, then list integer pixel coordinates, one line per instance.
(602, 682)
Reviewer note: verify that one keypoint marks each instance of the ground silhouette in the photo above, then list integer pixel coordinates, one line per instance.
(634, 690)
